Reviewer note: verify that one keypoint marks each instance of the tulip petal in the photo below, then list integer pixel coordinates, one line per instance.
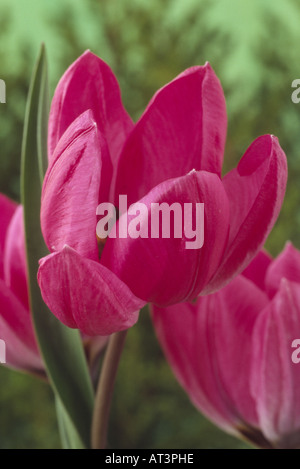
(183, 128)
(71, 189)
(255, 191)
(286, 265)
(256, 271)
(275, 378)
(16, 330)
(15, 267)
(208, 344)
(84, 294)
(7, 209)
(18, 355)
(162, 269)
(89, 83)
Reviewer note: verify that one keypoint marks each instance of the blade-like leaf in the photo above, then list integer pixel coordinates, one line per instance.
(60, 346)
(68, 435)
(42, 119)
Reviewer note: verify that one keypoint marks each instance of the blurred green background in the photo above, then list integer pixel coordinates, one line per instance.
(253, 47)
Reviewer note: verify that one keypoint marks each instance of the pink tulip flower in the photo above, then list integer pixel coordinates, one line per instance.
(16, 328)
(237, 352)
(173, 154)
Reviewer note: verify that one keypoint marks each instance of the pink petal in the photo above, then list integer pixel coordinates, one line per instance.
(256, 271)
(255, 190)
(89, 83)
(7, 209)
(18, 355)
(286, 265)
(17, 331)
(275, 378)
(84, 294)
(163, 270)
(71, 188)
(183, 128)
(208, 347)
(15, 266)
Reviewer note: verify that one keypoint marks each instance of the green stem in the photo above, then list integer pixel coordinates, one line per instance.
(105, 389)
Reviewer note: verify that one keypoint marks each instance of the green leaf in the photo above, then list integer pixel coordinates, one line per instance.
(42, 119)
(61, 347)
(68, 435)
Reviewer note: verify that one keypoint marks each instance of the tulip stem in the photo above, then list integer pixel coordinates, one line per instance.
(105, 389)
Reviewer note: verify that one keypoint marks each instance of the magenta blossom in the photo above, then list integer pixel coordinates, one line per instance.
(234, 351)
(16, 327)
(173, 154)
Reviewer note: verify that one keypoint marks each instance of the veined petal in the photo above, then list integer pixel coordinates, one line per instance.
(208, 344)
(286, 265)
(257, 269)
(7, 209)
(18, 355)
(17, 330)
(89, 83)
(275, 378)
(84, 294)
(72, 186)
(255, 191)
(15, 267)
(165, 269)
(183, 128)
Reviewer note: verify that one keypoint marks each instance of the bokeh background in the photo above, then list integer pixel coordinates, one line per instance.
(253, 45)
